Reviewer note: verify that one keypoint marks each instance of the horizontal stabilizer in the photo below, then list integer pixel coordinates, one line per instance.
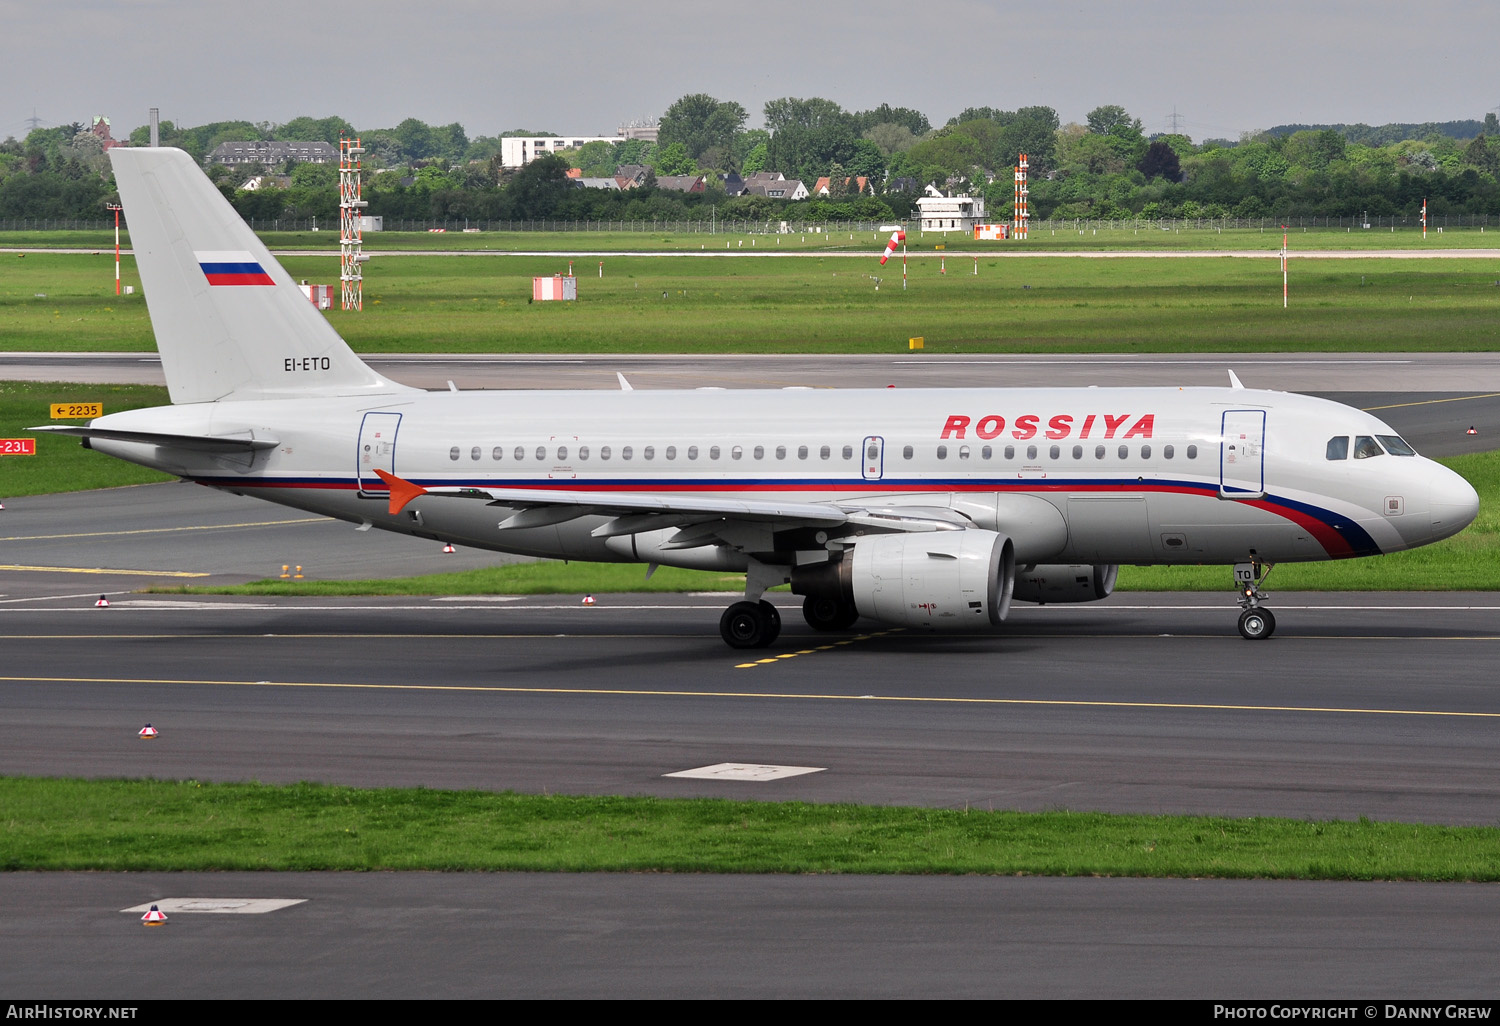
(243, 442)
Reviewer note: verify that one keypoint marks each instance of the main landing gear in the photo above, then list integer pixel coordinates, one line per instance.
(1256, 623)
(750, 624)
(828, 613)
(754, 623)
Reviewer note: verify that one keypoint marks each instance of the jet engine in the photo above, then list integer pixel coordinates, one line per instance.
(941, 580)
(1063, 583)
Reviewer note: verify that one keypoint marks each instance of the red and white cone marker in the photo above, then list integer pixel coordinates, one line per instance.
(1471, 431)
(588, 600)
(155, 917)
(449, 548)
(148, 732)
(103, 602)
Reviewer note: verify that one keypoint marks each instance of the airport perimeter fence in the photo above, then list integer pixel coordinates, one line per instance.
(834, 228)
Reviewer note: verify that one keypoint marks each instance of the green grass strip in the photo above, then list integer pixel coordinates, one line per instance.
(153, 825)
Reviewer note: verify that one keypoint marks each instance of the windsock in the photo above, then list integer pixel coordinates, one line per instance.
(897, 236)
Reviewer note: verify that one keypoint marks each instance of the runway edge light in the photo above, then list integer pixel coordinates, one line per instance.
(155, 917)
(102, 603)
(148, 732)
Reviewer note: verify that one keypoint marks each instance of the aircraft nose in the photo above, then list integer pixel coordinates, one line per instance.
(1455, 504)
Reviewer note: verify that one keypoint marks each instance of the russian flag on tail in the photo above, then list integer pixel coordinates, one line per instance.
(232, 267)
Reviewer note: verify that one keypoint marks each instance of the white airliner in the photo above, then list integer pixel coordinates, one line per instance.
(921, 507)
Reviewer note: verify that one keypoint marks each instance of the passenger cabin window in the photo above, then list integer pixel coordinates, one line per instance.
(1078, 452)
(1396, 445)
(760, 452)
(1192, 452)
(692, 452)
(1365, 447)
(1168, 451)
(802, 452)
(541, 452)
(824, 453)
(1338, 448)
(942, 452)
(627, 452)
(520, 453)
(849, 452)
(474, 453)
(906, 452)
(562, 453)
(583, 452)
(498, 453)
(671, 452)
(781, 452)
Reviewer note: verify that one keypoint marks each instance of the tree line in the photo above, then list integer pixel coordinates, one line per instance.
(1106, 167)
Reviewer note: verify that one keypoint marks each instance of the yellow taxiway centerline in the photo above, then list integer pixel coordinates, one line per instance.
(624, 693)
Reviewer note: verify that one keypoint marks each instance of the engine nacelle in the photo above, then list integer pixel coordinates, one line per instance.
(942, 580)
(1063, 583)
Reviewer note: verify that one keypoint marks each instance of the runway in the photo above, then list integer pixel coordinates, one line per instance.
(1374, 705)
(1382, 706)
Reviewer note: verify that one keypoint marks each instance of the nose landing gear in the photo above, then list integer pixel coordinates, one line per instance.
(1256, 623)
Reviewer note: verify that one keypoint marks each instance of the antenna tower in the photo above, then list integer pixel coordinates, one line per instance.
(1023, 215)
(351, 257)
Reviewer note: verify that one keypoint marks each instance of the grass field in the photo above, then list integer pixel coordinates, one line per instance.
(421, 304)
(149, 825)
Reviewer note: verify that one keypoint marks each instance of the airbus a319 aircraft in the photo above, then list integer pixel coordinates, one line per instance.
(931, 508)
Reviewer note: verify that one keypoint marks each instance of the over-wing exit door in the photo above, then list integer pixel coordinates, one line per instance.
(377, 451)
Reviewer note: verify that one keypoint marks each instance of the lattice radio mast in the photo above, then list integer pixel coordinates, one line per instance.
(351, 257)
(1023, 215)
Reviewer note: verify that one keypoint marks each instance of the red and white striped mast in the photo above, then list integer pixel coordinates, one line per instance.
(1283, 267)
(116, 208)
(351, 236)
(1022, 214)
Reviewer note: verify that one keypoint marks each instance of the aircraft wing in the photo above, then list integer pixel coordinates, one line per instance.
(635, 512)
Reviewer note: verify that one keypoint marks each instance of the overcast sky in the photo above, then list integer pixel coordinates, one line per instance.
(586, 66)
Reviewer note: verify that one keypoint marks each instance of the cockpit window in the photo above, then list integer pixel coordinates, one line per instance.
(1365, 447)
(1338, 448)
(1396, 445)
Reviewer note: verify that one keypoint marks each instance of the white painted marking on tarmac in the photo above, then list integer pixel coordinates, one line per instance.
(479, 598)
(239, 906)
(745, 771)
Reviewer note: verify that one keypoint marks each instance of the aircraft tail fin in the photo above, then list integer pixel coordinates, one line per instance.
(230, 323)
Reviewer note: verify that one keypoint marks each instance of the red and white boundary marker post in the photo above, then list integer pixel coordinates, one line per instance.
(1424, 218)
(116, 209)
(1283, 267)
